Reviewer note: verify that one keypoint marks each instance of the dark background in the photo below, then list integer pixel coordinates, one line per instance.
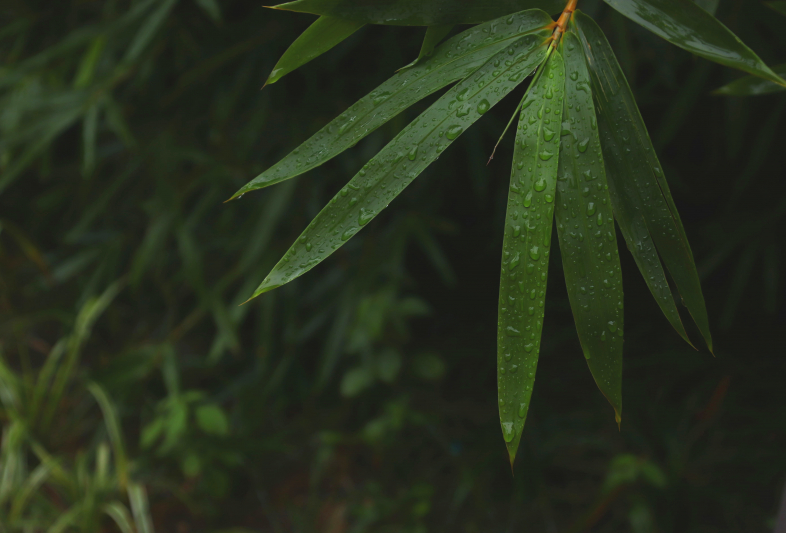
(362, 396)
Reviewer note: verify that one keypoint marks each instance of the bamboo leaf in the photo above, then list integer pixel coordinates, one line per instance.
(690, 27)
(325, 33)
(587, 239)
(455, 59)
(526, 247)
(405, 157)
(434, 34)
(753, 85)
(639, 192)
(419, 12)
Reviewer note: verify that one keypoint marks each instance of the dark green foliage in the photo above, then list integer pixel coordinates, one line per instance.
(361, 397)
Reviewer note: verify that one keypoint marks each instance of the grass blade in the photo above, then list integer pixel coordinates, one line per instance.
(639, 192)
(587, 239)
(455, 59)
(325, 33)
(525, 249)
(419, 12)
(405, 157)
(690, 27)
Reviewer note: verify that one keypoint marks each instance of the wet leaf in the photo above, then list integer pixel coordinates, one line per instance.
(753, 85)
(455, 59)
(419, 12)
(587, 238)
(639, 192)
(690, 27)
(779, 6)
(526, 247)
(405, 157)
(325, 33)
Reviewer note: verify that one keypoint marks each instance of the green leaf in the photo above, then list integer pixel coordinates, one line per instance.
(587, 238)
(455, 59)
(419, 12)
(211, 419)
(710, 6)
(780, 6)
(526, 247)
(639, 192)
(753, 85)
(688, 26)
(434, 34)
(325, 33)
(405, 157)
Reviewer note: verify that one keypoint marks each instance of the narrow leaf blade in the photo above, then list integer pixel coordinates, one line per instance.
(325, 33)
(419, 12)
(405, 157)
(587, 238)
(434, 34)
(526, 247)
(753, 85)
(688, 26)
(455, 59)
(639, 192)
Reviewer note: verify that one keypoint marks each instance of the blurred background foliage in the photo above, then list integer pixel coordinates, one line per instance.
(137, 395)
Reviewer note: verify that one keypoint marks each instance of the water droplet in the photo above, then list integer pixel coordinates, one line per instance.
(612, 326)
(547, 134)
(483, 106)
(508, 431)
(540, 185)
(549, 198)
(586, 355)
(523, 410)
(590, 208)
(353, 201)
(308, 246)
(574, 76)
(365, 216)
(463, 110)
(549, 93)
(545, 155)
(454, 131)
(583, 145)
(528, 199)
(349, 233)
(510, 331)
(379, 98)
(600, 219)
(588, 175)
(534, 253)
(462, 95)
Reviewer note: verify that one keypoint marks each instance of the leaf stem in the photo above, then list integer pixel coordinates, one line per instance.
(562, 22)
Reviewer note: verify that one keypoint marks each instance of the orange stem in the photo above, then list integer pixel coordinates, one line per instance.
(562, 22)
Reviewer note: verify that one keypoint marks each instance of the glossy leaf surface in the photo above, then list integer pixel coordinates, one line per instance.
(640, 195)
(453, 60)
(405, 157)
(688, 26)
(526, 247)
(587, 238)
(325, 33)
(434, 34)
(420, 12)
(753, 85)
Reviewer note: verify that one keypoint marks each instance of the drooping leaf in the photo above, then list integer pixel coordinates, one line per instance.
(325, 33)
(779, 6)
(455, 59)
(753, 85)
(587, 238)
(434, 34)
(710, 6)
(688, 26)
(640, 195)
(526, 247)
(406, 156)
(419, 12)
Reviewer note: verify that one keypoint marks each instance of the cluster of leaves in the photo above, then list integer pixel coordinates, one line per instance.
(331, 405)
(582, 155)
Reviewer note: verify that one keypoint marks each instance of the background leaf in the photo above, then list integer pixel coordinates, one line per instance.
(587, 237)
(639, 192)
(434, 34)
(419, 12)
(526, 247)
(686, 25)
(753, 85)
(325, 33)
